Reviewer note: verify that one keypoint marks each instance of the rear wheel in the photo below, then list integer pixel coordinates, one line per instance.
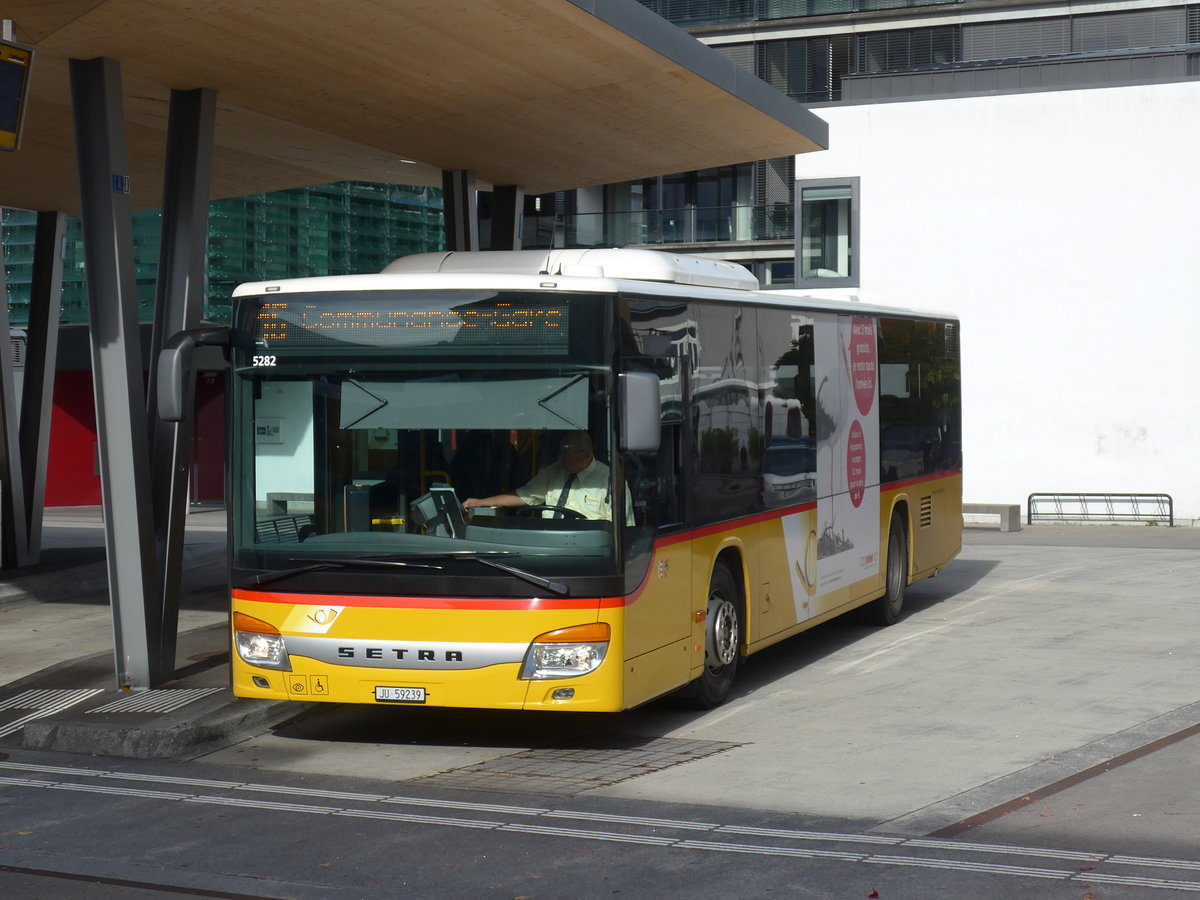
(886, 610)
(722, 642)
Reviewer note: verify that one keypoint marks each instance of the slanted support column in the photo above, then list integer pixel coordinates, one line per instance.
(179, 306)
(116, 365)
(41, 355)
(461, 210)
(508, 213)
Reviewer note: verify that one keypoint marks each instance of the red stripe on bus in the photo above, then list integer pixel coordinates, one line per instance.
(910, 482)
(732, 525)
(472, 603)
(682, 536)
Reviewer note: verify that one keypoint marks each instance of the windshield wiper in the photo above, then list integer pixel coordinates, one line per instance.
(483, 557)
(554, 587)
(354, 563)
(398, 561)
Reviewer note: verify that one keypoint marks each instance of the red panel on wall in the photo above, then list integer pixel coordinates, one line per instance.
(71, 478)
(71, 473)
(208, 440)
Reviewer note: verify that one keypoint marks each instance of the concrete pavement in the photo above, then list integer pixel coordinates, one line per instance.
(70, 584)
(1044, 689)
(57, 669)
(1029, 660)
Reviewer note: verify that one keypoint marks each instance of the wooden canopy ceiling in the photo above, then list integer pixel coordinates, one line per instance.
(545, 94)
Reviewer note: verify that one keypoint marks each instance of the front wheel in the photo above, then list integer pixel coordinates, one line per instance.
(722, 643)
(886, 610)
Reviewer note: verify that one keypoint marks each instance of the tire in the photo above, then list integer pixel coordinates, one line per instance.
(722, 642)
(887, 609)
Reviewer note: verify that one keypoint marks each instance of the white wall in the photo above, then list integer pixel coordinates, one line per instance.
(1063, 229)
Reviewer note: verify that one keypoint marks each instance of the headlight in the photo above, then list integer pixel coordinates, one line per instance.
(259, 643)
(567, 652)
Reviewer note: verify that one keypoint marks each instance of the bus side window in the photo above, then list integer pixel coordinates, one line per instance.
(668, 508)
(652, 482)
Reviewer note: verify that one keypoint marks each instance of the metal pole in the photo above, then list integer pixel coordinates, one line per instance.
(508, 207)
(179, 305)
(116, 364)
(460, 210)
(37, 401)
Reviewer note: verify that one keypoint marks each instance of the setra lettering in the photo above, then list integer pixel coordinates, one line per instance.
(399, 654)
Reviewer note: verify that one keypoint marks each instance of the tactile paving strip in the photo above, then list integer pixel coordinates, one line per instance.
(158, 700)
(576, 767)
(43, 702)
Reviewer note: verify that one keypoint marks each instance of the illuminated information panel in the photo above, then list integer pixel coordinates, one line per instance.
(527, 322)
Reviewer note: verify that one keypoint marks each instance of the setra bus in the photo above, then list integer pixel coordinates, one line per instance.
(756, 464)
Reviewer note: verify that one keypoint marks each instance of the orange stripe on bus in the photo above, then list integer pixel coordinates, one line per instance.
(459, 603)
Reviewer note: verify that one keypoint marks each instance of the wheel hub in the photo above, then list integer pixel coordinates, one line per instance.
(722, 643)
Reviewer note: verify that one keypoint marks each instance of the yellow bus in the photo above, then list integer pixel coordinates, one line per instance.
(745, 465)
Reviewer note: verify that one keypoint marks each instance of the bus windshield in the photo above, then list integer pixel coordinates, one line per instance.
(375, 415)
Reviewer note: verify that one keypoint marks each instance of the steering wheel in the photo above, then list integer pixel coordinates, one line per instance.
(558, 512)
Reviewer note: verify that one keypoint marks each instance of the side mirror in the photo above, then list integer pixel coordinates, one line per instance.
(172, 363)
(641, 411)
(175, 368)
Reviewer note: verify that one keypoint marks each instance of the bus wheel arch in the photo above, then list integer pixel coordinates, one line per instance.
(887, 609)
(900, 513)
(724, 634)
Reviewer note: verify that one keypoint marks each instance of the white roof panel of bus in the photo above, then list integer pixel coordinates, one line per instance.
(605, 271)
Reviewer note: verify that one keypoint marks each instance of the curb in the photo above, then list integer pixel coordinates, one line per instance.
(209, 724)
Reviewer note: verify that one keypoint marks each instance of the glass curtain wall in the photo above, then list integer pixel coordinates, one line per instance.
(707, 206)
(687, 13)
(344, 228)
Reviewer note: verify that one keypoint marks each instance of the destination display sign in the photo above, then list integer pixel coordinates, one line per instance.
(406, 321)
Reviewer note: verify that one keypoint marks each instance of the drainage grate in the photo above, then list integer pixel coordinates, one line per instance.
(43, 702)
(576, 767)
(159, 700)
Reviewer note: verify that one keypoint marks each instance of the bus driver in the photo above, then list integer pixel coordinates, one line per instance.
(578, 482)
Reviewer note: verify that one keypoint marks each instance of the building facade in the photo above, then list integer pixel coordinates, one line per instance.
(1025, 166)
